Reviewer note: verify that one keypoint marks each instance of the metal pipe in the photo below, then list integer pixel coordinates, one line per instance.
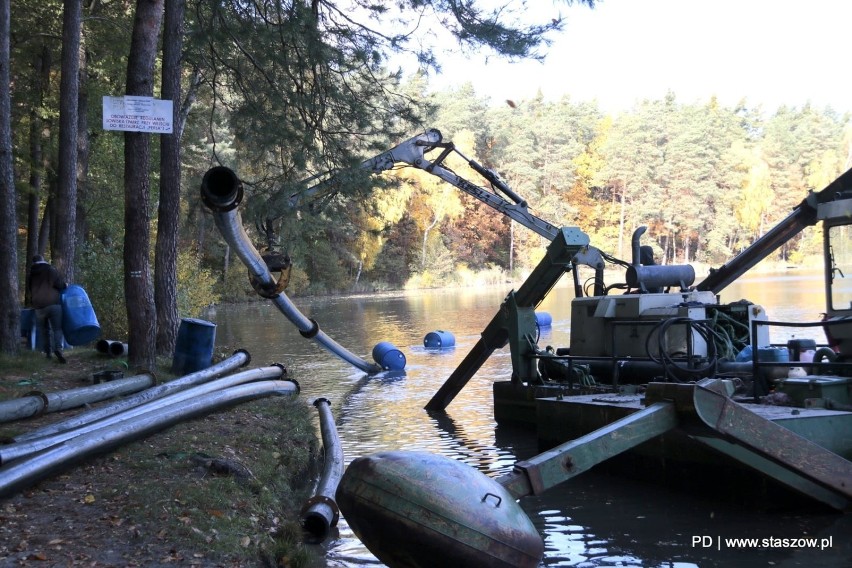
(37, 402)
(73, 398)
(18, 450)
(221, 191)
(26, 406)
(117, 349)
(320, 512)
(25, 473)
(240, 358)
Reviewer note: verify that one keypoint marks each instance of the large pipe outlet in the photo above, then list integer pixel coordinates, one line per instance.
(320, 513)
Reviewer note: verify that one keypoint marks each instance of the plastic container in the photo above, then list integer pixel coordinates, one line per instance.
(543, 319)
(27, 321)
(79, 323)
(388, 356)
(801, 349)
(194, 346)
(773, 355)
(439, 339)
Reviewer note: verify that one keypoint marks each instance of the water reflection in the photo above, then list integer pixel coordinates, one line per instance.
(593, 520)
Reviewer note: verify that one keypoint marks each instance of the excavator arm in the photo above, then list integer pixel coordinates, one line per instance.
(412, 152)
(804, 215)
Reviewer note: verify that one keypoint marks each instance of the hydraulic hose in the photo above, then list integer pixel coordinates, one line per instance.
(320, 513)
(18, 450)
(240, 358)
(37, 403)
(23, 474)
(221, 191)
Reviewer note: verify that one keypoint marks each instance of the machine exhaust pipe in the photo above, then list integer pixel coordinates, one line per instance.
(320, 513)
(240, 358)
(221, 192)
(58, 458)
(18, 450)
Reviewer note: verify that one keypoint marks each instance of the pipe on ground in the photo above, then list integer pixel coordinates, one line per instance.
(221, 192)
(58, 458)
(18, 450)
(36, 402)
(320, 512)
(240, 358)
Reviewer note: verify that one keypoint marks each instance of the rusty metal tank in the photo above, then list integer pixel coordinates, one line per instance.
(417, 509)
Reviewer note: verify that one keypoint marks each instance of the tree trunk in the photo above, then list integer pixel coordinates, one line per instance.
(81, 227)
(138, 285)
(41, 70)
(10, 308)
(425, 238)
(65, 229)
(168, 212)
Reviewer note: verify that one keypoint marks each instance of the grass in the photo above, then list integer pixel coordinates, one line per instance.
(161, 491)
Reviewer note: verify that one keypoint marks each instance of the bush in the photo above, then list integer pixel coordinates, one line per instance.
(195, 285)
(100, 271)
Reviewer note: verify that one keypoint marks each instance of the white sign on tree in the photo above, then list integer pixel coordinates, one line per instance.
(137, 114)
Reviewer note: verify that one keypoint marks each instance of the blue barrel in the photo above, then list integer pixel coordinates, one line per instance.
(543, 319)
(79, 323)
(27, 321)
(773, 354)
(439, 339)
(388, 356)
(194, 346)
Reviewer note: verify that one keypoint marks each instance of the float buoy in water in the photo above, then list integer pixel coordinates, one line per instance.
(543, 319)
(423, 510)
(388, 356)
(439, 339)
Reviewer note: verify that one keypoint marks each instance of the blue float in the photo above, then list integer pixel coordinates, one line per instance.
(79, 323)
(439, 339)
(388, 356)
(543, 319)
(194, 346)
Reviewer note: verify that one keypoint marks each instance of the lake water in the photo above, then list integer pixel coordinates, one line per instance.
(594, 520)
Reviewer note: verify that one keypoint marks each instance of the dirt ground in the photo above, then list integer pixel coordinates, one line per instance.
(158, 501)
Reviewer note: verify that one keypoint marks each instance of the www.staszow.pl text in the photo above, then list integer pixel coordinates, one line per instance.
(718, 542)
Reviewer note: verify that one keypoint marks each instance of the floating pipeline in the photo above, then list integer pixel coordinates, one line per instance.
(222, 192)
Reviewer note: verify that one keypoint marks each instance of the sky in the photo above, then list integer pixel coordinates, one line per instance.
(768, 52)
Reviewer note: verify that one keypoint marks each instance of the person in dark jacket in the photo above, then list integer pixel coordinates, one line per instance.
(45, 283)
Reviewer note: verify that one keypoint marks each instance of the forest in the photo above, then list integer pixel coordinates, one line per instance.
(289, 94)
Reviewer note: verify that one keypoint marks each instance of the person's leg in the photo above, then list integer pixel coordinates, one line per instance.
(43, 328)
(55, 317)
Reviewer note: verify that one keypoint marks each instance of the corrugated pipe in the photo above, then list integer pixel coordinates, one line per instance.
(18, 450)
(37, 402)
(240, 358)
(320, 513)
(58, 458)
(221, 192)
